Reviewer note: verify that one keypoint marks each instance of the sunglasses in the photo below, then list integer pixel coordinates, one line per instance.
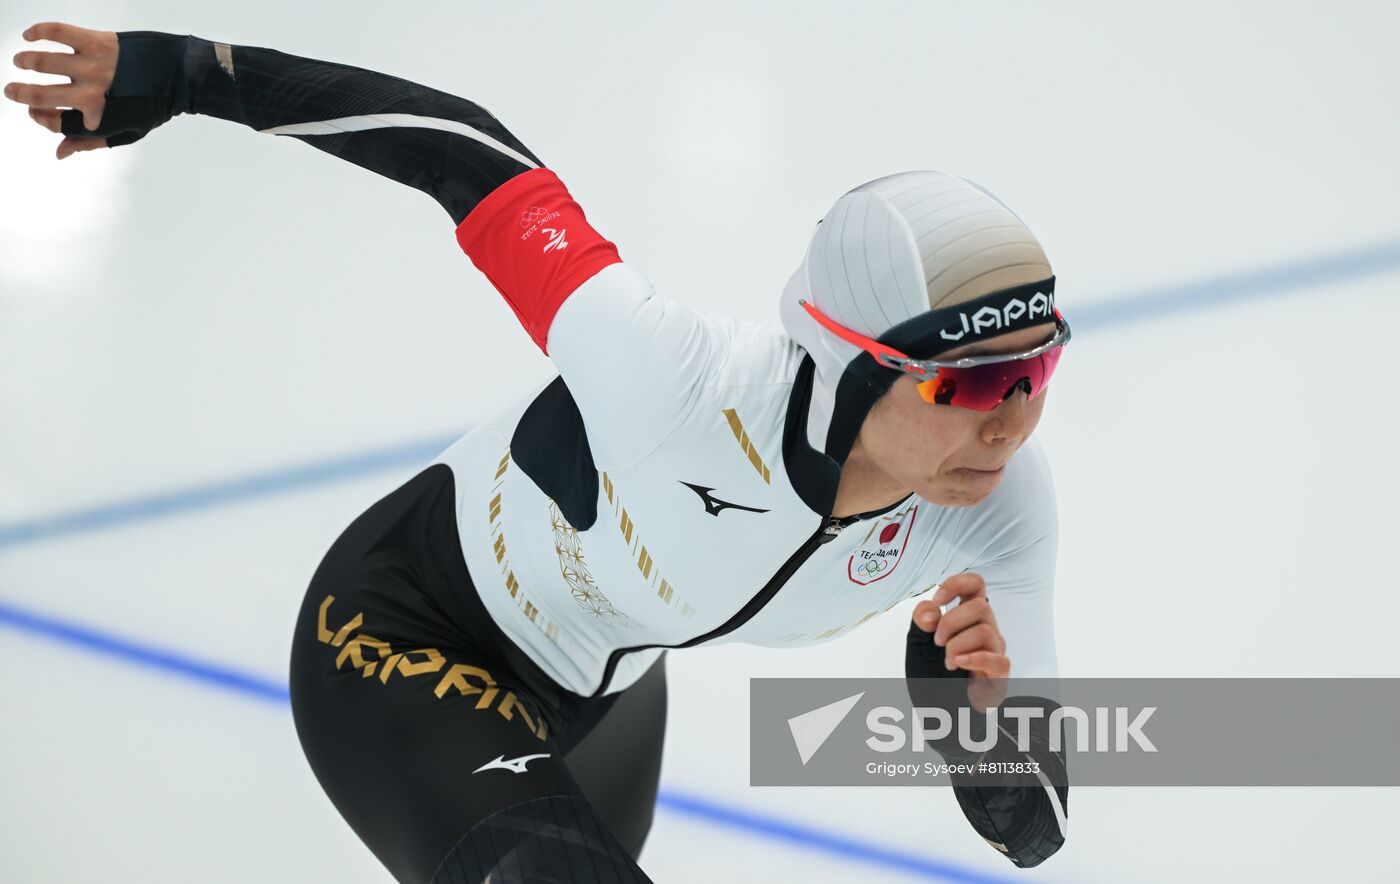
(977, 382)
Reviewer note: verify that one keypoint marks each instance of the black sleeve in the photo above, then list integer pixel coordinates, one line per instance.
(1026, 823)
(443, 145)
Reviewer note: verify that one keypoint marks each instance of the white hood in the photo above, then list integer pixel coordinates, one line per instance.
(891, 250)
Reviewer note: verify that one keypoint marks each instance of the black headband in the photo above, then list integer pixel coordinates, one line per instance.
(1002, 312)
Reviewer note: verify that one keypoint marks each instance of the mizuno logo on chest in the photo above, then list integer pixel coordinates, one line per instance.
(713, 504)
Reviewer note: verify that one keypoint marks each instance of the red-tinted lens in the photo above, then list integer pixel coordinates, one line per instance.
(983, 387)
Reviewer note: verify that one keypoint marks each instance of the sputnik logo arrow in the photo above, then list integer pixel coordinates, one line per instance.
(811, 729)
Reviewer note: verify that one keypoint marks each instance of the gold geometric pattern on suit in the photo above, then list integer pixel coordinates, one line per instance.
(575, 571)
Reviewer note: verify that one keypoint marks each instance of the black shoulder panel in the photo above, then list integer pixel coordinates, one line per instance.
(551, 446)
(814, 475)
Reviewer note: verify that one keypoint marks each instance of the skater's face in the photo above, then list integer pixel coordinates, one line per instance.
(948, 455)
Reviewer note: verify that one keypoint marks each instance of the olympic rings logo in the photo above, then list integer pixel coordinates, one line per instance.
(871, 567)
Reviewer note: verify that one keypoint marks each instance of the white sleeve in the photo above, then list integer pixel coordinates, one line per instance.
(1020, 588)
(635, 362)
(1019, 564)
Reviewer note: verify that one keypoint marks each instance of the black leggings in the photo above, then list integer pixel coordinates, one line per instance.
(416, 712)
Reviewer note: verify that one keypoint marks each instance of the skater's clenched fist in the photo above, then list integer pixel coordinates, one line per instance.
(969, 636)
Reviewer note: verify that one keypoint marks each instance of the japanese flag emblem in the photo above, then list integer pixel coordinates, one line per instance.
(882, 548)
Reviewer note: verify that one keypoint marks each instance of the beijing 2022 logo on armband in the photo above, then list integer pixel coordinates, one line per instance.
(534, 219)
(882, 548)
(556, 239)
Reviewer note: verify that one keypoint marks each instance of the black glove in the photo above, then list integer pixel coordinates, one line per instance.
(924, 660)
(148, 88)
(1026, 823)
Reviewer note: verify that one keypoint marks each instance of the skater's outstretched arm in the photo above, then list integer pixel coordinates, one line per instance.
(614, 341)
(126, 84)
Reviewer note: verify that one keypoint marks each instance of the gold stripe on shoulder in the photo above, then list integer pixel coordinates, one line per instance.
(747, 445)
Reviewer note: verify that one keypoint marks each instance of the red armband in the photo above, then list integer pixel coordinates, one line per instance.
(532, 241)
